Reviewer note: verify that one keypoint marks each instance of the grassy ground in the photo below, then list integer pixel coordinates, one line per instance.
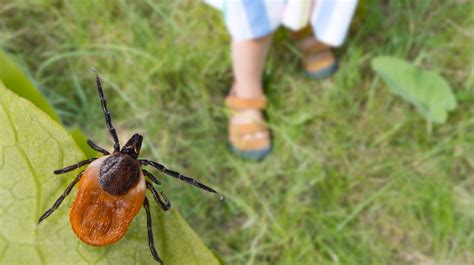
(355, 178)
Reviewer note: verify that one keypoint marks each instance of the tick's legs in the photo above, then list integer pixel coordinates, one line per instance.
(164, 203)
(152, 177)
(75, 166)
(61, 198)
(177, 175)
(97, 148)
(151, 242)
(108, 117)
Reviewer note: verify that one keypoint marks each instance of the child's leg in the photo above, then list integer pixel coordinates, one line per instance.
(248, 61)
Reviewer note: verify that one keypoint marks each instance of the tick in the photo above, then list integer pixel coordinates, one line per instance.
(111, 190)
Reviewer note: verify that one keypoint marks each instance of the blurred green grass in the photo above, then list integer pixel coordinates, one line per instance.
(354, 177)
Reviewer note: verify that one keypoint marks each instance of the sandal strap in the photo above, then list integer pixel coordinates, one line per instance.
(309, 46)
(237, 130)
(252, 144)
(319, 61)
(245, 103)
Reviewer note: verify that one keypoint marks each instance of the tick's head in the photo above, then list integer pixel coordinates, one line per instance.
(133, 146)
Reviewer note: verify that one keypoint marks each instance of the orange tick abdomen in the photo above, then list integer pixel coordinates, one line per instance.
(99, 218)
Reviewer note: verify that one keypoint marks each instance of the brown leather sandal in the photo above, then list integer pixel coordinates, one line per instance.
(255, 149)
(318, 59)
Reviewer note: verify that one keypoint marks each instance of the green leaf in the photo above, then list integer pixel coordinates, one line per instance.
(15, 80)
(427, 90)
(32, 145)
(18, 82)
(81, 141)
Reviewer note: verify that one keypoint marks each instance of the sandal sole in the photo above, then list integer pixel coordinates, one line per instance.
(256, 155)
(323, 73)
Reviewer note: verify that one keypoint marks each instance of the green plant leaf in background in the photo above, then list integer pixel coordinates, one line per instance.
(31, 146)
(81, 141)
(15, 80)
(427, 90)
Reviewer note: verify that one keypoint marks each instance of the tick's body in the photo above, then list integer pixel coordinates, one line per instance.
(112, 190)
(99, 218)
